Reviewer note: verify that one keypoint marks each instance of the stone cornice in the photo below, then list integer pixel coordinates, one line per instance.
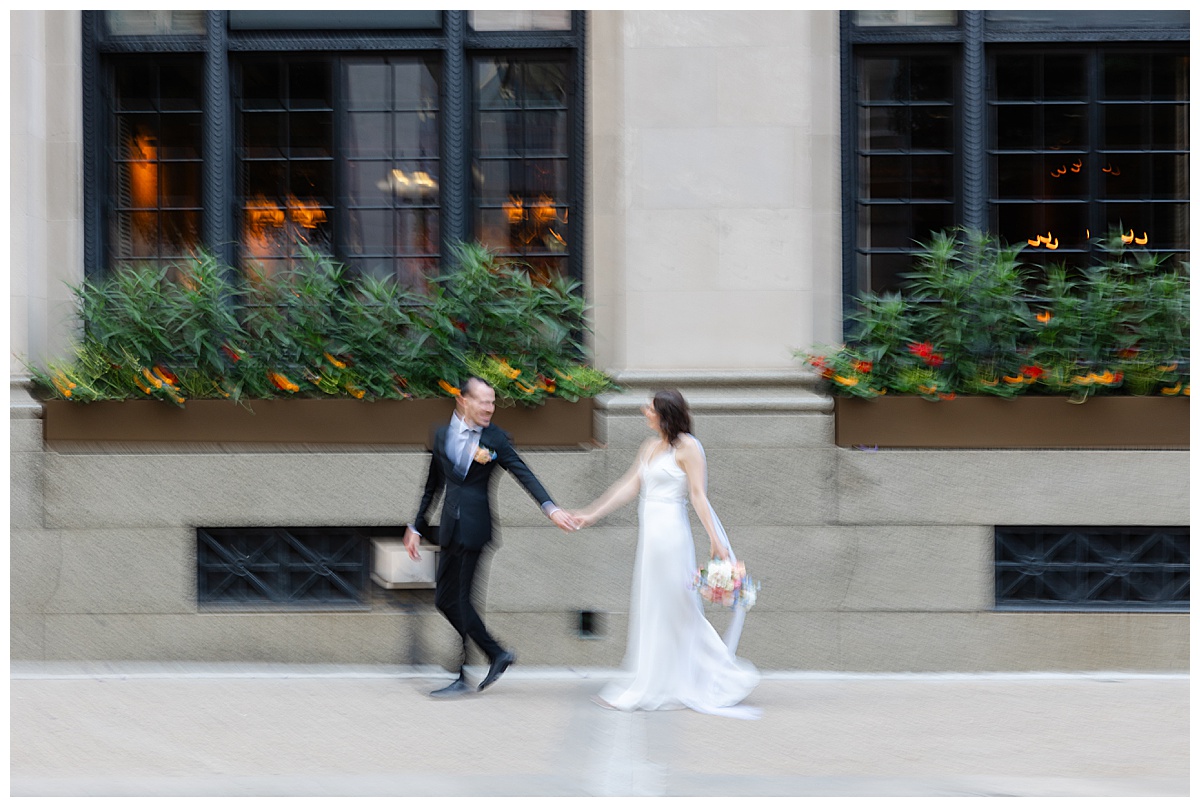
(725, 391)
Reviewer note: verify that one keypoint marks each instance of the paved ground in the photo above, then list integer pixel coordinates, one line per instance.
(240, 730)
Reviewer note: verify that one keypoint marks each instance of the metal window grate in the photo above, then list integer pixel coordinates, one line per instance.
(283, 566)
(1093, 568)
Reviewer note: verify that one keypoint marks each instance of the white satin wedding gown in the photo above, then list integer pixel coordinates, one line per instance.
(677, 658)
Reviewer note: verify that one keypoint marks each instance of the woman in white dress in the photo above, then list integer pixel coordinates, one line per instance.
(675, 655)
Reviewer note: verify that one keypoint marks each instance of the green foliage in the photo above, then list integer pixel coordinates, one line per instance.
(972, 320)
(201, 330)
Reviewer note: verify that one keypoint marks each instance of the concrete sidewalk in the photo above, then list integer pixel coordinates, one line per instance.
(229, 730)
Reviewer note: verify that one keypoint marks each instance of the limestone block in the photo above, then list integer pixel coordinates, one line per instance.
(1013, 487)
(725, 167)
(549, 639)
(26, 636)
(670, 87)
(695, 28)
(764, 250)
(35, 569)
(829, 569)
(771, 486)
(548, 570)
(1013, 642)
(26, 490)
(123, 571)
(750, 92)
(672, 250)
(25, 435)
(291, 638)
(277, 489)
(692, 333)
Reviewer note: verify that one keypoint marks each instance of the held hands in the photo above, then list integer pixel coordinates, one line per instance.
(584, 519)
(565, 521)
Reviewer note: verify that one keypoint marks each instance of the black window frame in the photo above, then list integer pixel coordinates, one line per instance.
(455, 41)
(974, 34)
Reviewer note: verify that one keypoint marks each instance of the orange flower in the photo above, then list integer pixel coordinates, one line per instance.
(1044, 317)
(452, 390)
(844, 381)
(863, 366)
(156, 382)
(282, 382)
(165, 374)
(1173, 390)
(946, 396)
(334, 361)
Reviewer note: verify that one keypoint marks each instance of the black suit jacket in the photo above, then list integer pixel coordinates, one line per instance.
(467, 509)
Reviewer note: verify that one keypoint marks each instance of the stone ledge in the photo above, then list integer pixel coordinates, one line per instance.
(729, 391)
(21, 403)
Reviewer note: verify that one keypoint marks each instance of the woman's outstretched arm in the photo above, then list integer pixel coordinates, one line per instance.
(623, 491)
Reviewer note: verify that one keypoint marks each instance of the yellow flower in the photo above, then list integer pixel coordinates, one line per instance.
(152, 379)
(355, 391)
(334, 361)
(844, 381)
(508, 369)
(1173, 390)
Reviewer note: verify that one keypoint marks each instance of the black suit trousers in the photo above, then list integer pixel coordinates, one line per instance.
(455, 597)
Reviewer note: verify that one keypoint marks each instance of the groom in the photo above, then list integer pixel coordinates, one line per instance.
(465, 452)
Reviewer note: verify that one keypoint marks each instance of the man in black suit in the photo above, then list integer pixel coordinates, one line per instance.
(465, 452)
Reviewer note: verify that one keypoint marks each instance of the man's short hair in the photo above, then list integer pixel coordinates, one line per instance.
(465, 387)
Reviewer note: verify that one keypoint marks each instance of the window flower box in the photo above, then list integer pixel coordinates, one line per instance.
(1028, 422)
(555, 423)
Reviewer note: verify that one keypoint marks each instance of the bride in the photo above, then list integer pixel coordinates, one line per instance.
(676, 656)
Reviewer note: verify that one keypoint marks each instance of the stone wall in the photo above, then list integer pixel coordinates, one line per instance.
(869, 561)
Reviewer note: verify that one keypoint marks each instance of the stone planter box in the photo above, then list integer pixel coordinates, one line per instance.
(1025, 422)
(556, 423)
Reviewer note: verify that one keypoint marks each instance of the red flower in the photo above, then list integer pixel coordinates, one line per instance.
(925, 351)
(863, 366)
(1033, 371)
(231, 353)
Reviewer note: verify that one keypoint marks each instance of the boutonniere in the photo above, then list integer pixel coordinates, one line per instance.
(484, 455)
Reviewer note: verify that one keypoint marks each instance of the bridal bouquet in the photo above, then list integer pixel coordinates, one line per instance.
(725, 583)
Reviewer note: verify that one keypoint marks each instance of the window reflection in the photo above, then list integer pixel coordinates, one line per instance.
(907, 167)
(521, 170)
(287, 161)
(1047, 171)
(392, 168)
(155, 212)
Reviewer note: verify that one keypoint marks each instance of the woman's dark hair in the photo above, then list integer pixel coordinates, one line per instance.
(673, 415)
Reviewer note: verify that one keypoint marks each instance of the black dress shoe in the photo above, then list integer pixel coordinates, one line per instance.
(456, 689)
(501, 663)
